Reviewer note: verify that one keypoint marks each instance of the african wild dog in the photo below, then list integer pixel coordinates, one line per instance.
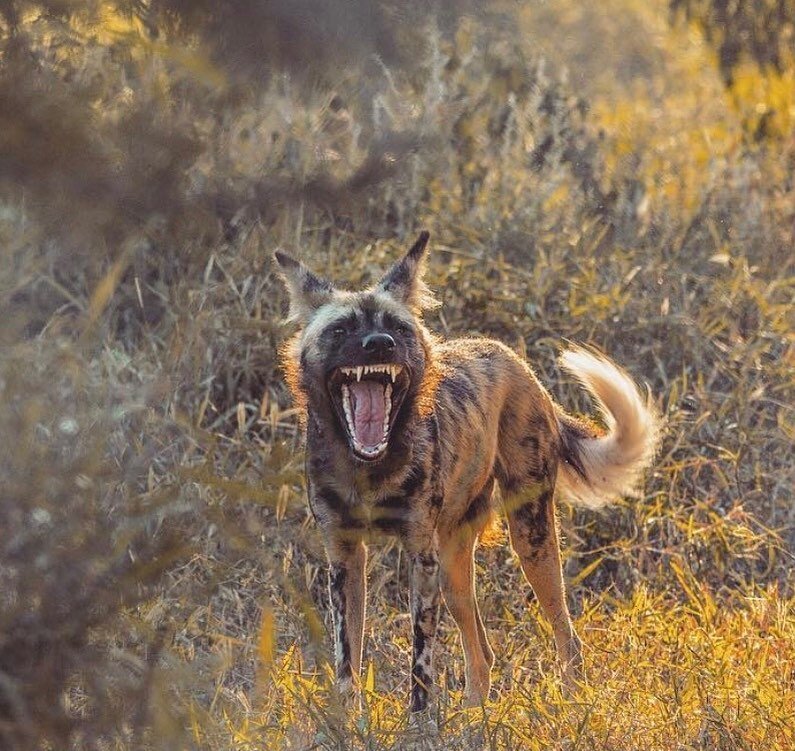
(407, 435)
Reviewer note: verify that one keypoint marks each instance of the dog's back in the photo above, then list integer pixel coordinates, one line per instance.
(496, 421)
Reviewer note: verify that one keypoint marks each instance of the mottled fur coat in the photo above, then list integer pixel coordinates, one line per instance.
(408, 435)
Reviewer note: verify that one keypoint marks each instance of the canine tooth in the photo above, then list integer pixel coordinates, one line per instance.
(359, 369)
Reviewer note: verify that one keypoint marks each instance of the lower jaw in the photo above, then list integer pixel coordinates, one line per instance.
(365, 456)
(368, 459)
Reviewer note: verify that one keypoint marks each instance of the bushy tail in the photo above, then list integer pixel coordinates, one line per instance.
(598, 469)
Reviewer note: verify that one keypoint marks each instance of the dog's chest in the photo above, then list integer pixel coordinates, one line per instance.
(391, 506)
(398, 505)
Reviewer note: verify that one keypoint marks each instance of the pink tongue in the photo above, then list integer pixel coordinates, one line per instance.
(367, 402)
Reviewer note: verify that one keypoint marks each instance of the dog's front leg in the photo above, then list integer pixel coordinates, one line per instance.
(348, 593)
(425, 619)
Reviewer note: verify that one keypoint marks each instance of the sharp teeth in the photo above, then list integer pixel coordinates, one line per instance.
(346, 405)
(388, 405)
(362, 370)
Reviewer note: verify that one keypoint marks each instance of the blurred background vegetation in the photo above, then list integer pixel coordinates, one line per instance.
(618, 173)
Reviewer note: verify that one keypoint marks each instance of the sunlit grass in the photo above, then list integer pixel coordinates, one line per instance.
(662, 674)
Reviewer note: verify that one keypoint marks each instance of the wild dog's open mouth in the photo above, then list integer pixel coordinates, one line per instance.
(367, 399)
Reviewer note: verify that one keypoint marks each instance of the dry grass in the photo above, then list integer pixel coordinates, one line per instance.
(701, 677)
(161, 582)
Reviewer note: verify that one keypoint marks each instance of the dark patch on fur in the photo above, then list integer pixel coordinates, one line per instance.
(460, 387)
(391, 516)
(572, 433)
(336, 504)
(421, 678)
(393, 502)
(509, 483)
(348, 321)
(314, 283)
(391, 323)
(419, 244)
(507, 416)
(318, 465)
(414, 481)
(332, 499)
(534, 517)
(398, 277)
(393, 526)
(419, 638)
(479, 506)
(419, 692)
(285, 261)
(338, 576)
(370, 310)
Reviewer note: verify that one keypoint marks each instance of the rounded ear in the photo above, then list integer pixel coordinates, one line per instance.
(307, 290)
(404, 280)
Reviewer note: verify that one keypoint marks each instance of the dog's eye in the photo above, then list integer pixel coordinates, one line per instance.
(402, 329)
(338, 332)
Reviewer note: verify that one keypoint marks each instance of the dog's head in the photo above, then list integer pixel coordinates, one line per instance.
(363, 353)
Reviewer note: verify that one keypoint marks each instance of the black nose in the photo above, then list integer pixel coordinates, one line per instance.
(378, 344)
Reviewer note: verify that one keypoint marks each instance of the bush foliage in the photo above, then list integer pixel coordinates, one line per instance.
(161, 582)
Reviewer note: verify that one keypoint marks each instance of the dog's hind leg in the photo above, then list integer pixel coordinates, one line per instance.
(458, 587)
(348, 593)
(534, 538)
